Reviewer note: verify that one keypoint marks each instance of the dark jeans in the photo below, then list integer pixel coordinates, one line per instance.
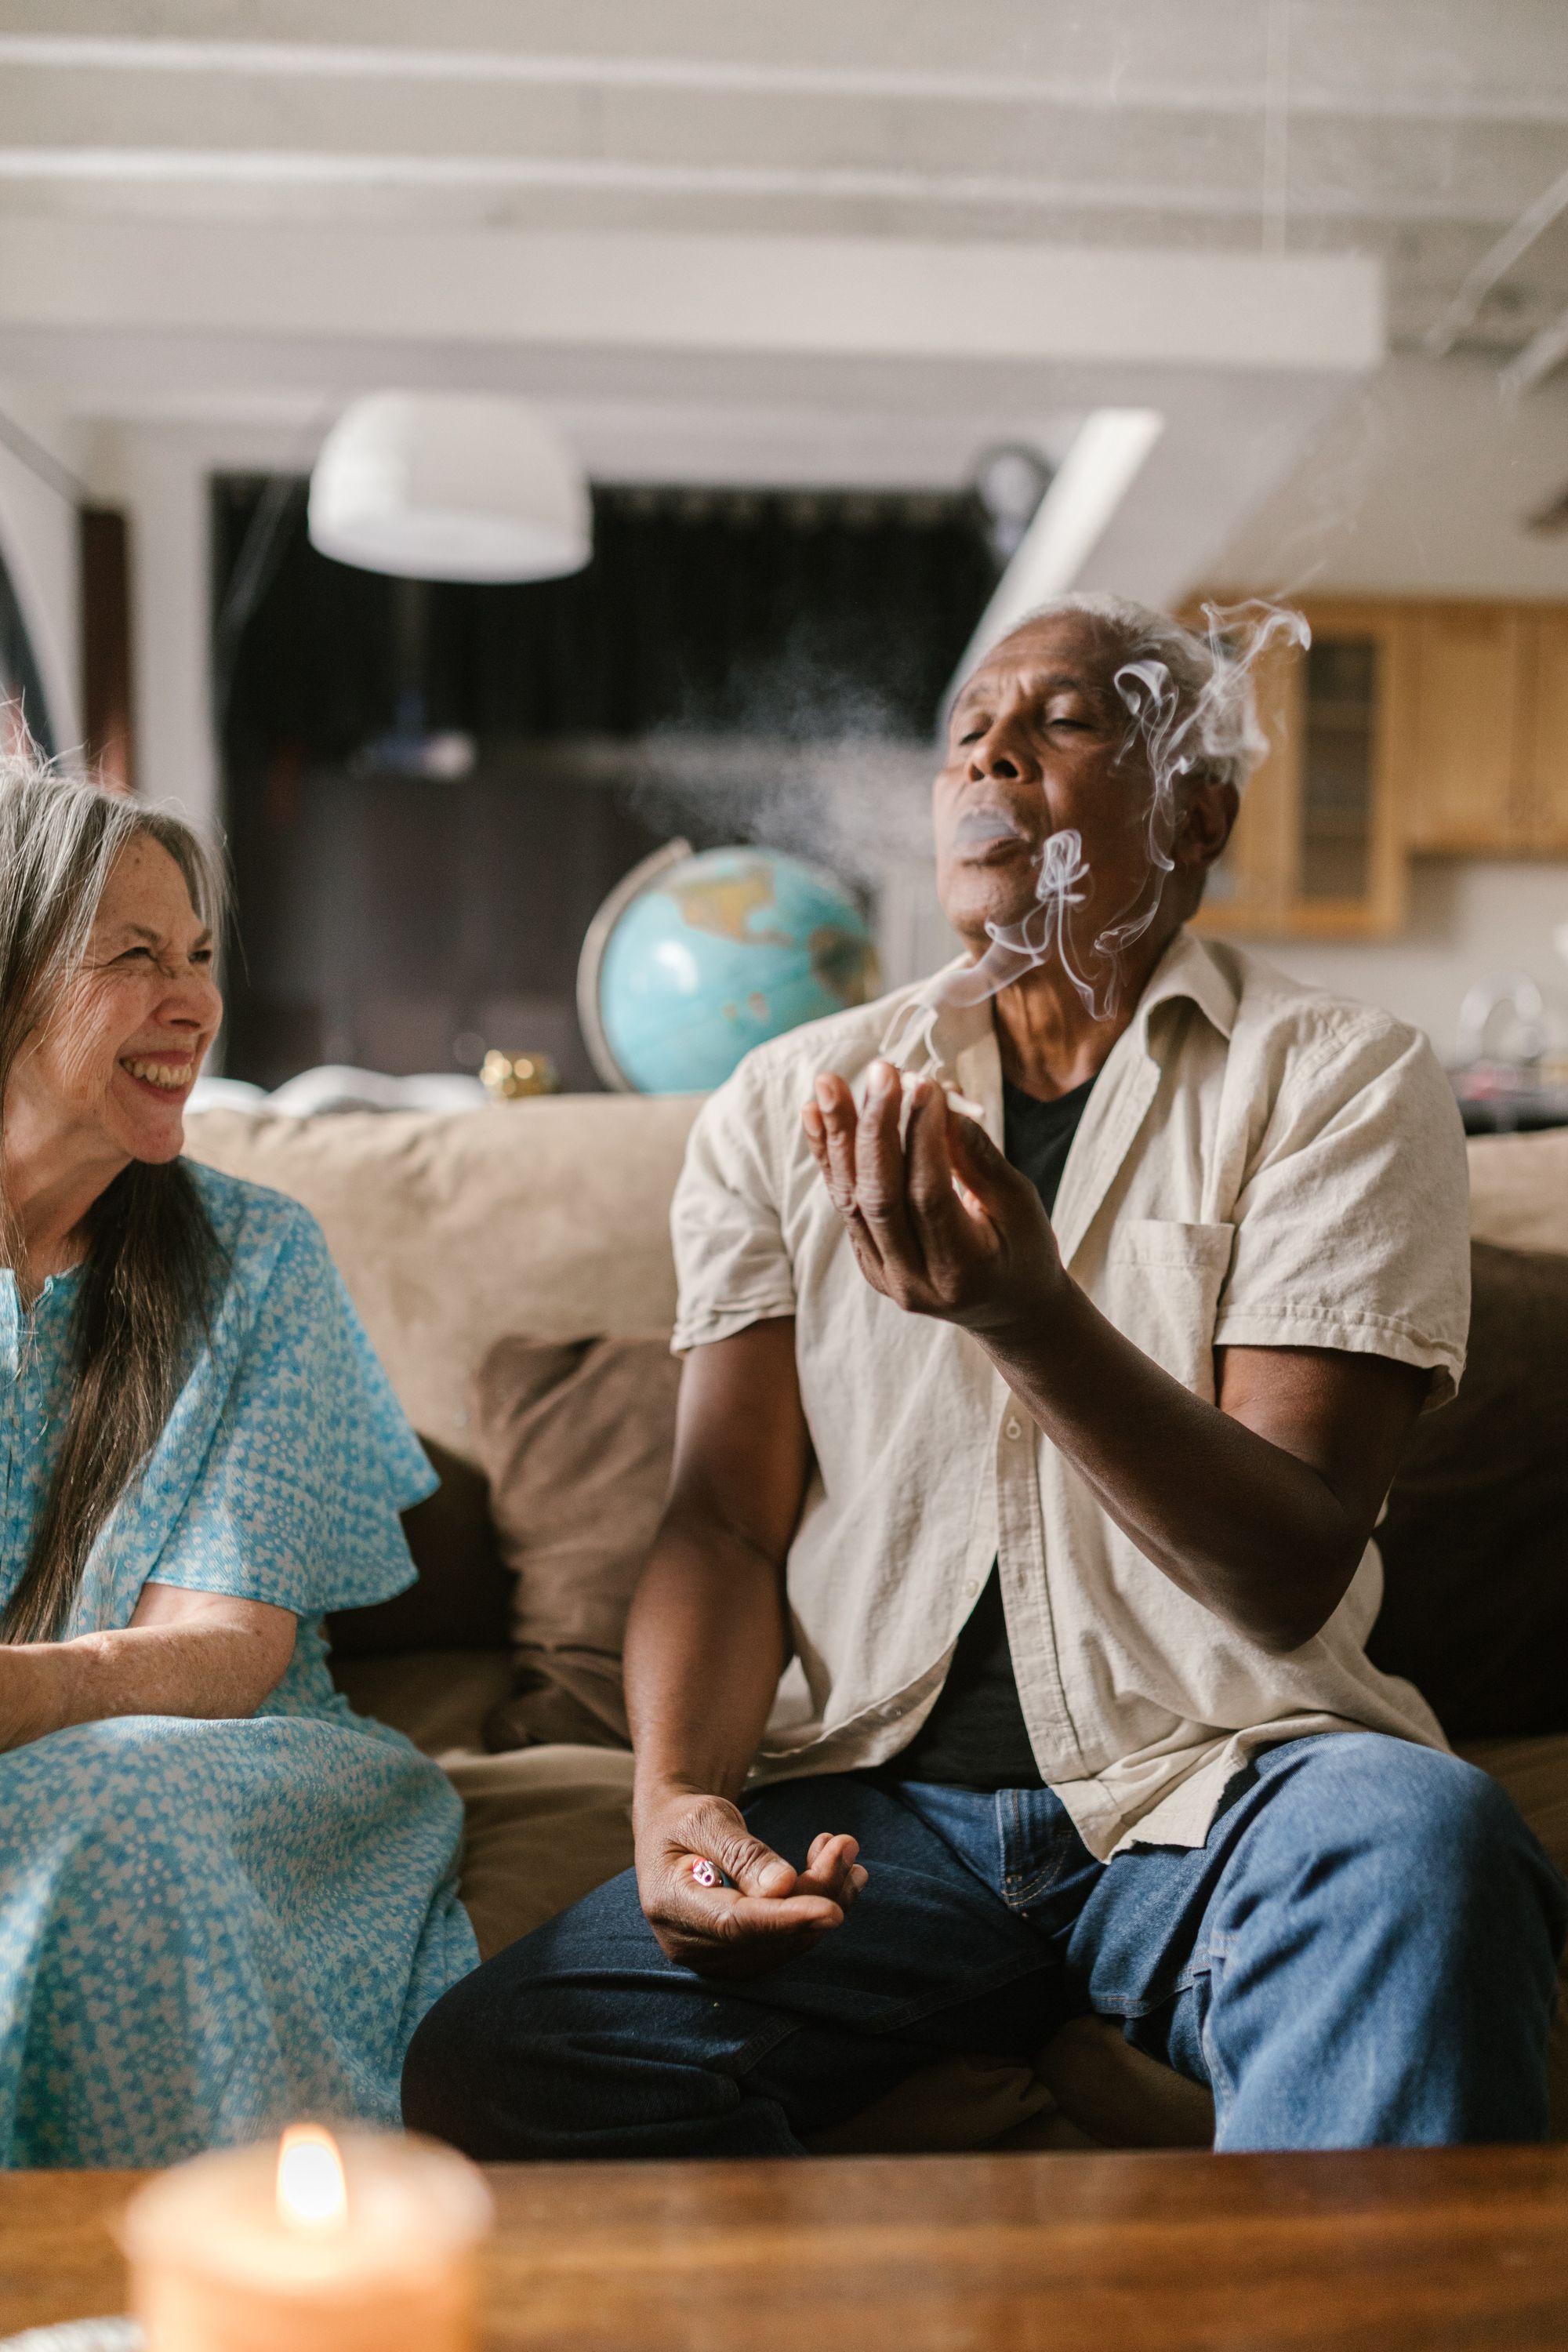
(1364, 1951)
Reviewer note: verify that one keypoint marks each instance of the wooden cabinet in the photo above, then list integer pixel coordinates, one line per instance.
(1545, 794)
(1435, 730)
(1489, 771)
(1318, 849)
(1468, 762)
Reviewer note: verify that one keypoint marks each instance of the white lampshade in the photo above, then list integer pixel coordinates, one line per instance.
(450, 485)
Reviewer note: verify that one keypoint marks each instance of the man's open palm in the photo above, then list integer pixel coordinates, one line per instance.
(939, 1222)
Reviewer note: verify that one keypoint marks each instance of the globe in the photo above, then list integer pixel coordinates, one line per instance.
(695, 959)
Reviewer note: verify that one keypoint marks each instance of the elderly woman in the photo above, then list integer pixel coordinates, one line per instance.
(224, 1898)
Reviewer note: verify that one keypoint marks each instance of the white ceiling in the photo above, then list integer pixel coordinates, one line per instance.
(1415, 130)
(840, 240)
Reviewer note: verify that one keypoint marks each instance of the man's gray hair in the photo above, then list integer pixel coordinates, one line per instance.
(1213, 681)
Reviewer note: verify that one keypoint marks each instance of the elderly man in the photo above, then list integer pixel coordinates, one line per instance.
(1000, 1656)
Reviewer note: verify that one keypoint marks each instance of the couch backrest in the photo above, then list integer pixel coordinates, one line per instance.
(1519, 1190)
(551, 1218)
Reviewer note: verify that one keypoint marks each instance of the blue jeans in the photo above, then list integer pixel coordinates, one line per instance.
(1363, 1952)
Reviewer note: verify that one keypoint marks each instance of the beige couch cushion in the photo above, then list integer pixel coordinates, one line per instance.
(543, 1826)
(451, 1231)
(576, 1439)
(1475, 1536)
(1519, 1190)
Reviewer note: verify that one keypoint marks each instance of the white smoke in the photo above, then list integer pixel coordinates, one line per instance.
(1204, 723)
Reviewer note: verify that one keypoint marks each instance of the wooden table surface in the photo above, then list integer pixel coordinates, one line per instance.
(1422, 2251)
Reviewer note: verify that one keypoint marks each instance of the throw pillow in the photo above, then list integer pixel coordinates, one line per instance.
(576, 1437)
(1475, 1545)
(463, 1597)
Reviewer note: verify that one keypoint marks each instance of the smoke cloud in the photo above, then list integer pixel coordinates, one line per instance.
(1176, 730)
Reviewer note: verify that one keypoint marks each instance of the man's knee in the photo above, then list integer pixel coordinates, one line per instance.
(490, 2066)
(548, 2050)
(1435, 1837)
(452, 2048)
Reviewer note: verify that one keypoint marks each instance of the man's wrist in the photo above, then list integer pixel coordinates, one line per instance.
(1027, 1313)
(1028, 1334)
(654, 1792)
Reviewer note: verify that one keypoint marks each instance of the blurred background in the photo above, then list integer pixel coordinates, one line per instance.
(754, 365)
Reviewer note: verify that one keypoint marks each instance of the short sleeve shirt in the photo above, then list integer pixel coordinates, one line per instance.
(1259, 1165)
(284, 1464)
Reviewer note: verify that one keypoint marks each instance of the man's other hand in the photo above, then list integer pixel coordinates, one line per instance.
(939, 1222)
(769, 1913)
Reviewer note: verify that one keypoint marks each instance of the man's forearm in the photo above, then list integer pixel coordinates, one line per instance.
(705, 1646)
(1243, 1525)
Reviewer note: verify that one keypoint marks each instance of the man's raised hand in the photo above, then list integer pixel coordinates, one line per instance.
(939, 1222)
(769, 1913)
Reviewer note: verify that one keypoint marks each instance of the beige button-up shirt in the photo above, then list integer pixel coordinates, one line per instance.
(1259, 1165)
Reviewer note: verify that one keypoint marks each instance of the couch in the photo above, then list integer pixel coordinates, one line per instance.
(548, 1217)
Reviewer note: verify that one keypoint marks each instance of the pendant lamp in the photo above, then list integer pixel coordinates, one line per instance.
(450, 485)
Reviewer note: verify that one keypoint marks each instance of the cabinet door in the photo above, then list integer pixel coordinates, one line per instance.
(1467, 780)
(1250, 887)
(1318, 849)
(1548, 763)
(1350, 859)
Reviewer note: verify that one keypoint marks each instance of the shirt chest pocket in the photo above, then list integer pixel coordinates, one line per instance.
(1160, 1286)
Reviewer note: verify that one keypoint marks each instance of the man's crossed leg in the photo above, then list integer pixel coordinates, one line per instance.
(1363, 1952)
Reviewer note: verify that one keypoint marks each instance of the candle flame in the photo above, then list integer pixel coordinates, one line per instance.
(311, 2195)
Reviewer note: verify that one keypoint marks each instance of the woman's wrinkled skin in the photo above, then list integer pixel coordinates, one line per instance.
(106, 1077)
(103, 1081)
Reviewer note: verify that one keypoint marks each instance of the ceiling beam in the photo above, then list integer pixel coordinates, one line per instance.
(285, 168)
(878, 297)
(1542, 356)
(1494, 265)
(1115, 91)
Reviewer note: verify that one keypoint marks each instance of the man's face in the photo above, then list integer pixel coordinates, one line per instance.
(1039, 740)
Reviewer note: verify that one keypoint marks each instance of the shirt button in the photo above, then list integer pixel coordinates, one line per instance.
(1014, 1429)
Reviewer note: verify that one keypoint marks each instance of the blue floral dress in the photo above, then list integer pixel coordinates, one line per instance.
(208, 1927)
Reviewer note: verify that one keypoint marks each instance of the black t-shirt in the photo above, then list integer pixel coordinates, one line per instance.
(975, 1737)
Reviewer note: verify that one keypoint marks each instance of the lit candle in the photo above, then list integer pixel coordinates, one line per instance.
(369, 2247)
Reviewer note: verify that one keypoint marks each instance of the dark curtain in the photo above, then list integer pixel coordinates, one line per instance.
(763, 614)
(403, 923)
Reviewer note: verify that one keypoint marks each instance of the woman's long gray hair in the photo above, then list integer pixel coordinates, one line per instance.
(152, 1259)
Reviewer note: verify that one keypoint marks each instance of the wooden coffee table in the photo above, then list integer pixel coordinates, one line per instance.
(1422, 2251)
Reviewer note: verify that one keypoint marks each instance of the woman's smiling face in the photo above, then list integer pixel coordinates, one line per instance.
(114, 1060)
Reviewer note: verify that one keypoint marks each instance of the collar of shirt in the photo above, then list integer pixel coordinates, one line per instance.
(966, 1056)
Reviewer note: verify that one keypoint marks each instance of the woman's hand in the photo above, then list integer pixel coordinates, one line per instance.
(769, 1913)
(939, 1222)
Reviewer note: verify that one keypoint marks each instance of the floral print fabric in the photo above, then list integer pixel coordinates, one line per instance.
(209, 1927)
